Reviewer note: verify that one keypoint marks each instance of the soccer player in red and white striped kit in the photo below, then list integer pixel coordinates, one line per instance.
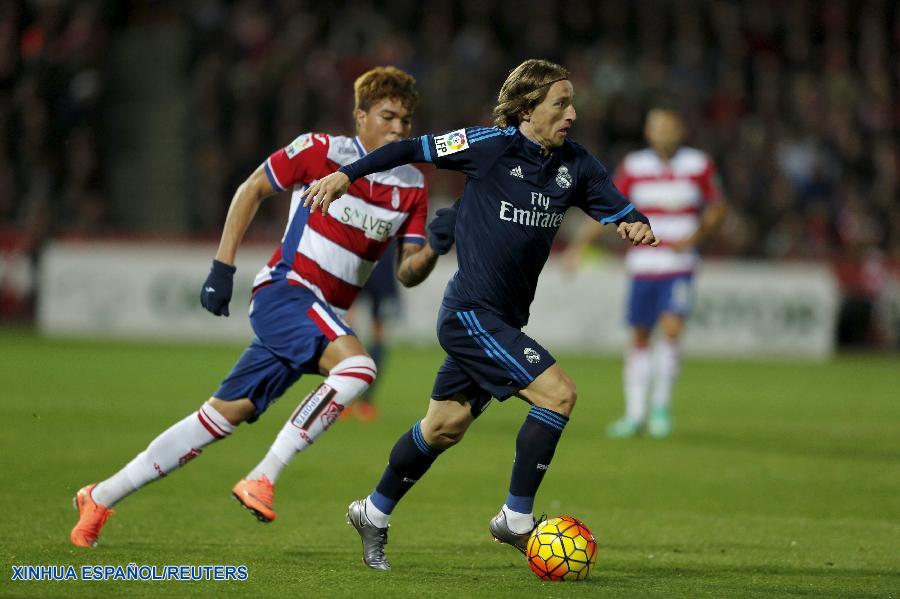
(678, 188)
(299, 299)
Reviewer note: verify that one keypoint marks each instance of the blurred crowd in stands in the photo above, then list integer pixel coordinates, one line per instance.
(797, 100)
(52, 84)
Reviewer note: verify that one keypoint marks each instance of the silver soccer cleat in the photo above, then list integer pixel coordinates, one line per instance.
(502, 534)
(373, 539)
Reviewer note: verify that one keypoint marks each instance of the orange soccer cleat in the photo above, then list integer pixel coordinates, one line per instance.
(92, 517)
(257, 496)
(365, 411)
(348, 412)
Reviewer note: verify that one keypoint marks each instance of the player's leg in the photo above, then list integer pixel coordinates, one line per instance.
(349, 372)
(450, 413)
(258, 378)
(415, 451)
(444, 425)
(637, 375)
(667, 367)
(675, 305)
(365, 409)
(306, 336)
(637, 372)
(552, 396)
(173, 448)
(503, 361)
(381, 291)
(457, 400)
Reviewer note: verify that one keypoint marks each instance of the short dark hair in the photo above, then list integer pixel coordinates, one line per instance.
(525, 87)
(385, 82)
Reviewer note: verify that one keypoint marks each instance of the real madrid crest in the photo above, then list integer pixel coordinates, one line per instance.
(563, 178)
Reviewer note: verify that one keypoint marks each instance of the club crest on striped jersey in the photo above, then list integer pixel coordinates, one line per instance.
(395, 198)
(531, 355)
(450, 143)
(298, 145)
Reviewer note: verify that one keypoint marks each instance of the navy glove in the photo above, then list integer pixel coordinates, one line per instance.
(441, 229)
(216, 291)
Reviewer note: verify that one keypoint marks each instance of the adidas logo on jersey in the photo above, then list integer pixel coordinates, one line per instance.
(517, 172)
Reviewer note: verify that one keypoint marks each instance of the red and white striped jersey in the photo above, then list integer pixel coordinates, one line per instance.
(334, 255)
(672, 194)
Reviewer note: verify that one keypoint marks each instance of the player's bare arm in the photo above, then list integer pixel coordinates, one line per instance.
(215, 294)
(320, 194)
(414, 263)
(710, 223)
(244, 204)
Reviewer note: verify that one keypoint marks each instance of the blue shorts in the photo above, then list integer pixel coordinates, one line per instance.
(485, 358)
(293, 327)
(652, 297)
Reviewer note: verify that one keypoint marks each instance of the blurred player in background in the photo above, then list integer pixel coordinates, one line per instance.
(380, 292)
(521, 177)
(676, 186)
(299, 299)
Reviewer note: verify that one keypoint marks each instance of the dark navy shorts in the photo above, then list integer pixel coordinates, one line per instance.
(293, 327)
(652, 297)
(485, 358)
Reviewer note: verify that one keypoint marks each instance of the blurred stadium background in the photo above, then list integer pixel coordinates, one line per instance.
(135, 121)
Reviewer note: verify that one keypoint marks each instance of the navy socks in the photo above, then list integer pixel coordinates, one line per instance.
(535, 446)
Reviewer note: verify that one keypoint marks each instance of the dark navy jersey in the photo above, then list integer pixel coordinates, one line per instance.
(513, 204)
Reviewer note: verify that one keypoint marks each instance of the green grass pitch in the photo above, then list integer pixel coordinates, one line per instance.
(782, 480)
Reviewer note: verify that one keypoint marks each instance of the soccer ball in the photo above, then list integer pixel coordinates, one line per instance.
(561, 548)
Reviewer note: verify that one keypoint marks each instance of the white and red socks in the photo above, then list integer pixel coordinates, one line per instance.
(346, 381)
(636, 376)
(175, 447)
(668, 365)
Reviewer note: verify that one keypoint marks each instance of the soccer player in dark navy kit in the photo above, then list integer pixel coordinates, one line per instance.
(522, 176)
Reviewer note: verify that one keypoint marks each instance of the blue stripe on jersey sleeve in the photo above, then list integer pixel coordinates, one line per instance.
(477, 131)
(484, 137)
(617, 215)
(482, 133)
(416, 239)
(271, 177)
(425, 148)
